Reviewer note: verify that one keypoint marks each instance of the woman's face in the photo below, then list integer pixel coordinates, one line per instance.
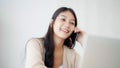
(64, 25)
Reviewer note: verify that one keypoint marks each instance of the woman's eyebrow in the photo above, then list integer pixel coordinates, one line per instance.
(66, 17)
(63, 16)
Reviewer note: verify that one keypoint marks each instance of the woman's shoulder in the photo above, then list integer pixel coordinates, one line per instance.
(35, 42)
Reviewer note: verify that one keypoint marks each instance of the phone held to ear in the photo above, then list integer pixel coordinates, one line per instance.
(74, 36)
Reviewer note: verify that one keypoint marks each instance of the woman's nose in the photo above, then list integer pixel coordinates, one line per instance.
(67, 24)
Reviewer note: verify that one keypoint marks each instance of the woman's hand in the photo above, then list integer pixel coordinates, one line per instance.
(81, 36)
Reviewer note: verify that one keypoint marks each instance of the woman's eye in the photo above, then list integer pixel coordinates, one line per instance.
(72, 23)
(63, 19)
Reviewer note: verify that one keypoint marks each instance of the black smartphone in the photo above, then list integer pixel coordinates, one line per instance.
(73, 37)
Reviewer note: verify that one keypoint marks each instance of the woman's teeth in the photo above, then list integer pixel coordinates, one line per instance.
(65, 30)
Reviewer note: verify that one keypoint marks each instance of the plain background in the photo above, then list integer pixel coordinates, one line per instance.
(21, 20)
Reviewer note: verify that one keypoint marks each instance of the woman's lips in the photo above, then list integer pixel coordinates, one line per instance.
(65, 30)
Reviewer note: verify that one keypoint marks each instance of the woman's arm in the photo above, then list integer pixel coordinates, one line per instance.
(34, 54)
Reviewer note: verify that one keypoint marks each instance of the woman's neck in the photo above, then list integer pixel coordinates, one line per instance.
(58, 42)
(58, 52)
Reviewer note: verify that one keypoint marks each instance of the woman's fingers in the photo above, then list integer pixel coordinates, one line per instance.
(80, 35)
(78, 30)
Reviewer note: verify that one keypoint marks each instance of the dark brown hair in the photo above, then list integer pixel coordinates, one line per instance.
(49, 41)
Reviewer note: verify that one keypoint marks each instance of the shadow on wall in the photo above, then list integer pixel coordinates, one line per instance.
(102, 52)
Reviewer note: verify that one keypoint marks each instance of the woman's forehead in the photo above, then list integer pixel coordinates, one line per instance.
(66, 14)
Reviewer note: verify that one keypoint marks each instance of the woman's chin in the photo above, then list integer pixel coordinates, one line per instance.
(63, 36)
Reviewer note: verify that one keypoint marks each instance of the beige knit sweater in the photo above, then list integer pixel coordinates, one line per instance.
(35, 55)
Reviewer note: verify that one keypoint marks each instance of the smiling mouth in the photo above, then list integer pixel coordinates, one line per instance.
(64, 30)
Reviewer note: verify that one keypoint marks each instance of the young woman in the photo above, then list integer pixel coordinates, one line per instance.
(55, 50)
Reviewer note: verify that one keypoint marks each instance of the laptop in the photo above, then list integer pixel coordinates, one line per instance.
(102, 52)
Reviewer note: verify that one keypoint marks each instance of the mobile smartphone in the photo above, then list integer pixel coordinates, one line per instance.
(74, 36)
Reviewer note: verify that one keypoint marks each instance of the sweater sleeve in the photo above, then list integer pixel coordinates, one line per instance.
(34, 54)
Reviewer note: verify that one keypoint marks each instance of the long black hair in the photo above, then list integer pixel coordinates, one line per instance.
(49, 41)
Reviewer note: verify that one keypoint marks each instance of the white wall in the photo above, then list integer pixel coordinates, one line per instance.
(21, 20)
(104, 18)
